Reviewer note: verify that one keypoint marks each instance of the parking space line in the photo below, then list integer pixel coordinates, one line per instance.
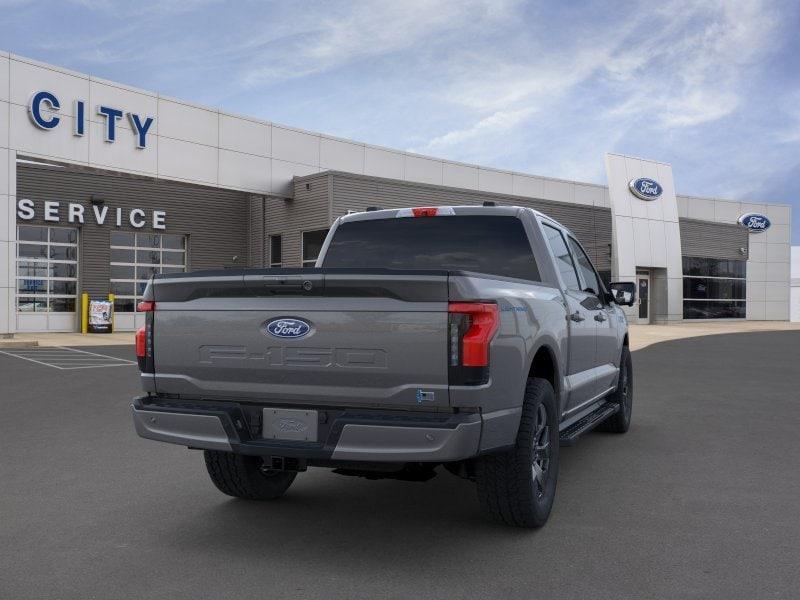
(66, 359)
(96, 354)
(30, 359)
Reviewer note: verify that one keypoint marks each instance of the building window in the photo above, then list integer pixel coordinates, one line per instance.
(275, 251)
(714, 288)
(312, 245)
(47, 269)
(136, 257)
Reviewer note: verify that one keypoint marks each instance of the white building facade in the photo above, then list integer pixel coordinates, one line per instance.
(102, 185)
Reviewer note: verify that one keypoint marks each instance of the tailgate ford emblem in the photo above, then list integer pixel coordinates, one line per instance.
(286, 327)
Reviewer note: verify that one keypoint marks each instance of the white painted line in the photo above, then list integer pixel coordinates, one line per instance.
(92, 367)
(96, 354)
(83, 358)
(34, 352)
(31, 360)
(64, 358)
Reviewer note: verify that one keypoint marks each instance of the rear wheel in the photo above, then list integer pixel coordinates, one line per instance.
(620, 421)
(517, 487)
(245, 476)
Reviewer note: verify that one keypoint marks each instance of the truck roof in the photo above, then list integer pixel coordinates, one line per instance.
(390, 213)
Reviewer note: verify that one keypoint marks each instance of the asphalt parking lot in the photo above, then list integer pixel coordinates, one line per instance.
(699, 500)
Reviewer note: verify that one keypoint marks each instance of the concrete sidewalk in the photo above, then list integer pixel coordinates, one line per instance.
(641, 335)
(22, 340)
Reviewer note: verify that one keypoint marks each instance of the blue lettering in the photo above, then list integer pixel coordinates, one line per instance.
(35, 109)
(141, 129)
(80, 118)
(111, 115)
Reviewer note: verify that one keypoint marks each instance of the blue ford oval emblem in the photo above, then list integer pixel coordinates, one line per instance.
(646, 189)
(755, 222)
(286, 327)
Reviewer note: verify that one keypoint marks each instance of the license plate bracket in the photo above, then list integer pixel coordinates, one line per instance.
(290, 424)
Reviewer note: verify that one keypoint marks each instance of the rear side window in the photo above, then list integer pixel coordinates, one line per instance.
(585, 266)
(495, 245)
(563, 259)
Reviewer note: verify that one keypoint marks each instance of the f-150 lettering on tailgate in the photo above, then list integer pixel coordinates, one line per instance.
(347, 358)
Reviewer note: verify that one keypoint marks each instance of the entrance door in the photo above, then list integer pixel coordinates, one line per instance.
(643, 280)
(47, 278)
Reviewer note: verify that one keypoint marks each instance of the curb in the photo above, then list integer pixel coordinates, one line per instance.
(18, 344)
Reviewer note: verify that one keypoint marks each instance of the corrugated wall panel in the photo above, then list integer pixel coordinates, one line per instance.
(214, 219)
(592, 225)
(713, 240)
(255, 232)
(307, 211)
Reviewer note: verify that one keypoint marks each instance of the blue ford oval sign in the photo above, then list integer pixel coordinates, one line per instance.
(286, 327)
(755, 222)
(646, 189)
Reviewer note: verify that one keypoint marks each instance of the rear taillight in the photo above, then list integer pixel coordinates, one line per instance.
(471, 326)
(144, 337)
(141, 345)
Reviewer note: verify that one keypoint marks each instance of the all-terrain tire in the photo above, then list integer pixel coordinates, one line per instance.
(510, 488)
(243, 477)
(620, 421)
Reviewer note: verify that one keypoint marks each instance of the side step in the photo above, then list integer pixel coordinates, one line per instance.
(570, 435)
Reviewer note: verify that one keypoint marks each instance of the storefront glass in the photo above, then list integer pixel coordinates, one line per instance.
(136, 257)
(47, 269)
(714, 288)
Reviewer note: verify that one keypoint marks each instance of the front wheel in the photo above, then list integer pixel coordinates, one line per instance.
(245, 476)
(517, 487)
(620, 421)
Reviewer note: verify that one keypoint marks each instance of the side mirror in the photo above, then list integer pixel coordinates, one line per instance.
(623, 292)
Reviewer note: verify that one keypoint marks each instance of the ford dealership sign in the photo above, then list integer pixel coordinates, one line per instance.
(754, 222)
(646, 189)
(44, 108)
(288, 328)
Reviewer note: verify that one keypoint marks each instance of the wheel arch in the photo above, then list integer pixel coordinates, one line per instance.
(544, 364)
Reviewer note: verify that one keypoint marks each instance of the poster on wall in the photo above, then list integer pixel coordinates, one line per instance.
(101, 314)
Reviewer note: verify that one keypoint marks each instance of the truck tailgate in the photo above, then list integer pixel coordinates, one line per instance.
(311, 337)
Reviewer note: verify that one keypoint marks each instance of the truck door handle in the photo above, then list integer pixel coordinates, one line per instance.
(577, 317)
(599, 317)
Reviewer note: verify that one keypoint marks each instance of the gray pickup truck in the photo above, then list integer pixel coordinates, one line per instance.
(479, 338)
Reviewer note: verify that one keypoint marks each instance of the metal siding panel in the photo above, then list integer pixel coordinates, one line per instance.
(255, 231)
(591, 225)
(214, 219)
(713, 240)
(307, 211)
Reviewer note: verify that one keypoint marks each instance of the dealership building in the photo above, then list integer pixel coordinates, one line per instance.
(103, 185)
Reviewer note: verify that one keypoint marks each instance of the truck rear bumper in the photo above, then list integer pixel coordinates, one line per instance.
(199, 431)
(368, 435)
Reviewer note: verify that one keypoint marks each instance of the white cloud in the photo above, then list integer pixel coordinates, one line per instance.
(675, 65)
(491, 126)
(346, 33)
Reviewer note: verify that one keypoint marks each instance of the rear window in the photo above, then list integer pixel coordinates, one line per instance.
(495, 245)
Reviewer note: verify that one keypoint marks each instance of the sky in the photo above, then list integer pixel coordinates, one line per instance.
(711, 87)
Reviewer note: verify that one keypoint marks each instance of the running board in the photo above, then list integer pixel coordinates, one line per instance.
(570, 435)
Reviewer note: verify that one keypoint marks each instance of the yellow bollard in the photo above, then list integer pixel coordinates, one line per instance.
(84, 312)
(111, 298)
